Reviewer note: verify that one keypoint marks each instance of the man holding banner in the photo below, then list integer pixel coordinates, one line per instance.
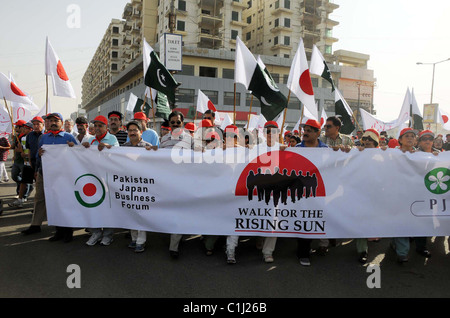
(311, 133)
(55, 136)
(102, 139)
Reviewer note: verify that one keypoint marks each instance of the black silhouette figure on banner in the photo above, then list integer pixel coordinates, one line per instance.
(278, 185)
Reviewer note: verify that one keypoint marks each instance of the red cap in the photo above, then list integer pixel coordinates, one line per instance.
(406, 130)
(287, 133)
(101, 119)
(231, 129)
(393, 143)
(425, 133)
(205, 123)
(313, 123)
(373, 131)
(37, 118)
(271, 124)
(20, 123)
(191, 127)
(140, 116)
(296, 132)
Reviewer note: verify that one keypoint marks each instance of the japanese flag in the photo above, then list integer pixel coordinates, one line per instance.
(11, 92)
(204, 103)
(299, 81)
(55, 69)
(444, 118)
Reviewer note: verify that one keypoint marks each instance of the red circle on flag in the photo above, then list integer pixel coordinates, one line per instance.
(61, 72)
(89, 189)
(16, 90)
(306, 84)
(283, 161)
(211, 106)
(445, 119)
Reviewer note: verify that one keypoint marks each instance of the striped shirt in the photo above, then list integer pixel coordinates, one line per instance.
(121, 136)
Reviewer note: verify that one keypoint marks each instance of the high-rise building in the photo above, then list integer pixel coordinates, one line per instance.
(209, 28)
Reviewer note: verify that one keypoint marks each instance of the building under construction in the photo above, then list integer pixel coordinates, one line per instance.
(270, 28)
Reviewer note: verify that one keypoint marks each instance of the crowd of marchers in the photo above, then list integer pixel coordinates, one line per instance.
(105, 132)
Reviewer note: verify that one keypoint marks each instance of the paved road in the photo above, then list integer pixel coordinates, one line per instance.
(31, 266)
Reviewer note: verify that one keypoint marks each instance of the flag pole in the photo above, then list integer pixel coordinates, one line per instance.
(356, 121)
(250, 112)
(145, 101)
(153, 109)
(234, 110)
(11, 118)
(284, 117)
(46, 94)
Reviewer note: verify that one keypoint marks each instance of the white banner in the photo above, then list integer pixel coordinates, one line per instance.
(318, 193)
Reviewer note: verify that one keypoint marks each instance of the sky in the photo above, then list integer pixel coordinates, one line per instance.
(395, 33)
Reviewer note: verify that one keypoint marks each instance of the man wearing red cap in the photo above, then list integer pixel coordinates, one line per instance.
(272, 136)
(407, 140)
(311, 134)
(148, 135)
(55, 136)
(30, 153)
(232, 140)
(24, 179)
(103, 139)
(190, 127)
(18, 162)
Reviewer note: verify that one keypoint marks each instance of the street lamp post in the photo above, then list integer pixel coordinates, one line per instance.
(434, 68)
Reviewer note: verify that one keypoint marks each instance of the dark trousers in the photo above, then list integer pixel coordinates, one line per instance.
(303, 247)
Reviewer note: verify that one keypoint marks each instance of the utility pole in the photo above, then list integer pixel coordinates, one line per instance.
(172, 17)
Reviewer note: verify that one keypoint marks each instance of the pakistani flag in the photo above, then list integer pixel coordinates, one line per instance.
(416, 115)
(343, 110)
(157, 76)
(255, 77)
(162, 106)
(319, 67)
(140, 107)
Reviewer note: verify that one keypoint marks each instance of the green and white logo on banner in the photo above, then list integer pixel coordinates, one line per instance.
(437, 181)
(89, 191)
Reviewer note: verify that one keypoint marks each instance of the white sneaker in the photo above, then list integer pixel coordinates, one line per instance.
(94, 239)
(230, 257)
(268, 258)
(305, 262)
(106, 241)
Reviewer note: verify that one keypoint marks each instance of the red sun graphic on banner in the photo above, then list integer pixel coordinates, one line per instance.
(306, 83)
(283, 172)
(445, 119)
(211, 106)
(16, 90)
(62, 72)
